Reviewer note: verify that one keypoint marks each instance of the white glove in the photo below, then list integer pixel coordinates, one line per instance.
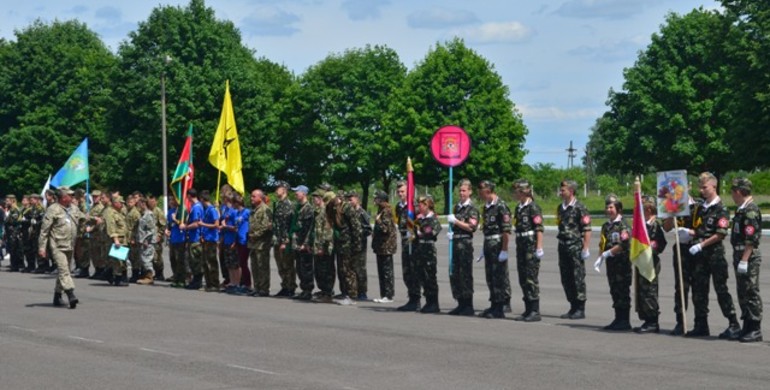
(584, 255)
(743, 267)
(408, 235)
(598, 264)
(450, 236)
(481, 257)
(539, 253)
(606, 254)
(503, 256)
(684, 235)
(451, 218)
(695, 249)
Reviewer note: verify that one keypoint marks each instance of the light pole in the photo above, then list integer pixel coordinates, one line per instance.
(166, 60)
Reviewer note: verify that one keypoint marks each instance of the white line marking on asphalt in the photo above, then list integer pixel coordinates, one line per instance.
(349, 388)
(252, 369)
(85, 339)
(20, 328)
(160, 352)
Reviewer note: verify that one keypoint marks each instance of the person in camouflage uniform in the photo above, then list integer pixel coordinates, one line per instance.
(260, 240)
(13, 233)
(117, 231)
(132, 221)
(384, 244)
(614, 245)
(496, 228)
(160, 228)
(302, 243)
(647, 301)
(745, 237)
(347, 239)
(83, 240)
(427, 229)
(146, 235)
(95, 227)
(574, 240)
(528, 229)
(407, 259)
(283, 215)
(685, 224)
(710, 262)
(26, 243)
(36, 264)
(192, 228)
(323, 247)
(57, 235)
(464, 221)
(360, 255)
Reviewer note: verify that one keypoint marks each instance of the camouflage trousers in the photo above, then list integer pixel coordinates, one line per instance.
(157, 260)
(97, 252)
(195, 258)
(63, 280)
(647, 294)
(361, 277)
(30, 252)
(619, 279)
(177, 254)
(119, 267)
(210, 264)
(385, 275)
(408, 268)
(82, 250)
(347, 262)
(304, 267)
(146, 255)
(710, 264)
(426, 262)
(573, 272)
(284, 261)
(259, 256)
(461, 278)
(324, 269)
(749, 299)
(341, 273)
(498, 282)
(16, 251)
(528, 267)
(688, 264)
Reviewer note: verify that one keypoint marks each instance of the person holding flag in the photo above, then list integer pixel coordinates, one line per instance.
(614, 245)
(225, 154)
(650, 243)
(405, 220)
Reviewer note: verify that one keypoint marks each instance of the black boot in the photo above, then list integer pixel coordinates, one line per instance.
(507, 306)
(467, 310)
(57, 299)
(73, 300)
(572, 309)
(496, 311)
(614, 322)
(622, 321)
(527, 310)
(196, 282)
(81, 273)
(534, 312)
(650, 325)
(98, 274)
(460, 306)
(733, 331)
(700, 329)
(120, 280)
(580, 311)
(754, 332)
(412, 305)
(431, 305)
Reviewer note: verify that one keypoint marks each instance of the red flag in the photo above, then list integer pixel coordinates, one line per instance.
(641, 251)
(409, 194)
(183, 176)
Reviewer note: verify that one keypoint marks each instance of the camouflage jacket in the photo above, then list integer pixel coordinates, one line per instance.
(574, 221)
(747, 226)
(58, 228)
(616, 233)
(260, 226)
(497, 218)
(528, 218)
(283, 213)
(657, 236)
(711, 219)
(428, 228)
(146, 231)
(469, 214)
(323, 234)
(303, 226)
(384, 234)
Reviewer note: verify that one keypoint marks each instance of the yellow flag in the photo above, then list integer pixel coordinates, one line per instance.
(225, 154)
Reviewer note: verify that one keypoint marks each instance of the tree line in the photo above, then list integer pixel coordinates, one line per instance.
(696, 98)
(350, 120)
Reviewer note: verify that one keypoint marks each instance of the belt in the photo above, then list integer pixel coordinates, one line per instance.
(739, 247)
(528, 233)
(426, 241)
(459, 236)
(492, 237)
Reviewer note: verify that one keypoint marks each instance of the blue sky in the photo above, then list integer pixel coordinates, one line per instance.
(558, 57)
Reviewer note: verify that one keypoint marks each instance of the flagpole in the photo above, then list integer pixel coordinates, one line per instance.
(88, 194)
(219, 179)
(681, 278)
(450, 225)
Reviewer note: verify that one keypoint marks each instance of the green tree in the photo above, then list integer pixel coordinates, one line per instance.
(455, 85)
(54, 87)
(336, 131)
(673, 110)
(204, 52)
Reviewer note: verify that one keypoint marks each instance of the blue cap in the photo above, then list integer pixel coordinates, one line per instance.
(301, 188)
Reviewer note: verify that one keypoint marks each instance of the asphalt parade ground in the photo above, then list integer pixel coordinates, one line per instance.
(157, 337)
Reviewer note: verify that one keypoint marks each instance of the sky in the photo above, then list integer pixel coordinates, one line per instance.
(559, 58)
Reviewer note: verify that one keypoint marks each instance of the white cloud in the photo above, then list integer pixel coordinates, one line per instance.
(359, 10)
(441, 18)
(604, 9)
(268, 21)
(555, 113)
(109, 13)
(496, 32)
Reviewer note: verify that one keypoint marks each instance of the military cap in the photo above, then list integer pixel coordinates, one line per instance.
(282, 183)
(36, 196)
(319, 193)
(96, 193)
(381, 195)
(118, 199)
(351, 194)
(610, 198)
(301, 188)
(649, 200)
(329, 196)
(741, 183)
(10, 196)
(79, 192)
(325, 187)
(486, 185)
(65, 190)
